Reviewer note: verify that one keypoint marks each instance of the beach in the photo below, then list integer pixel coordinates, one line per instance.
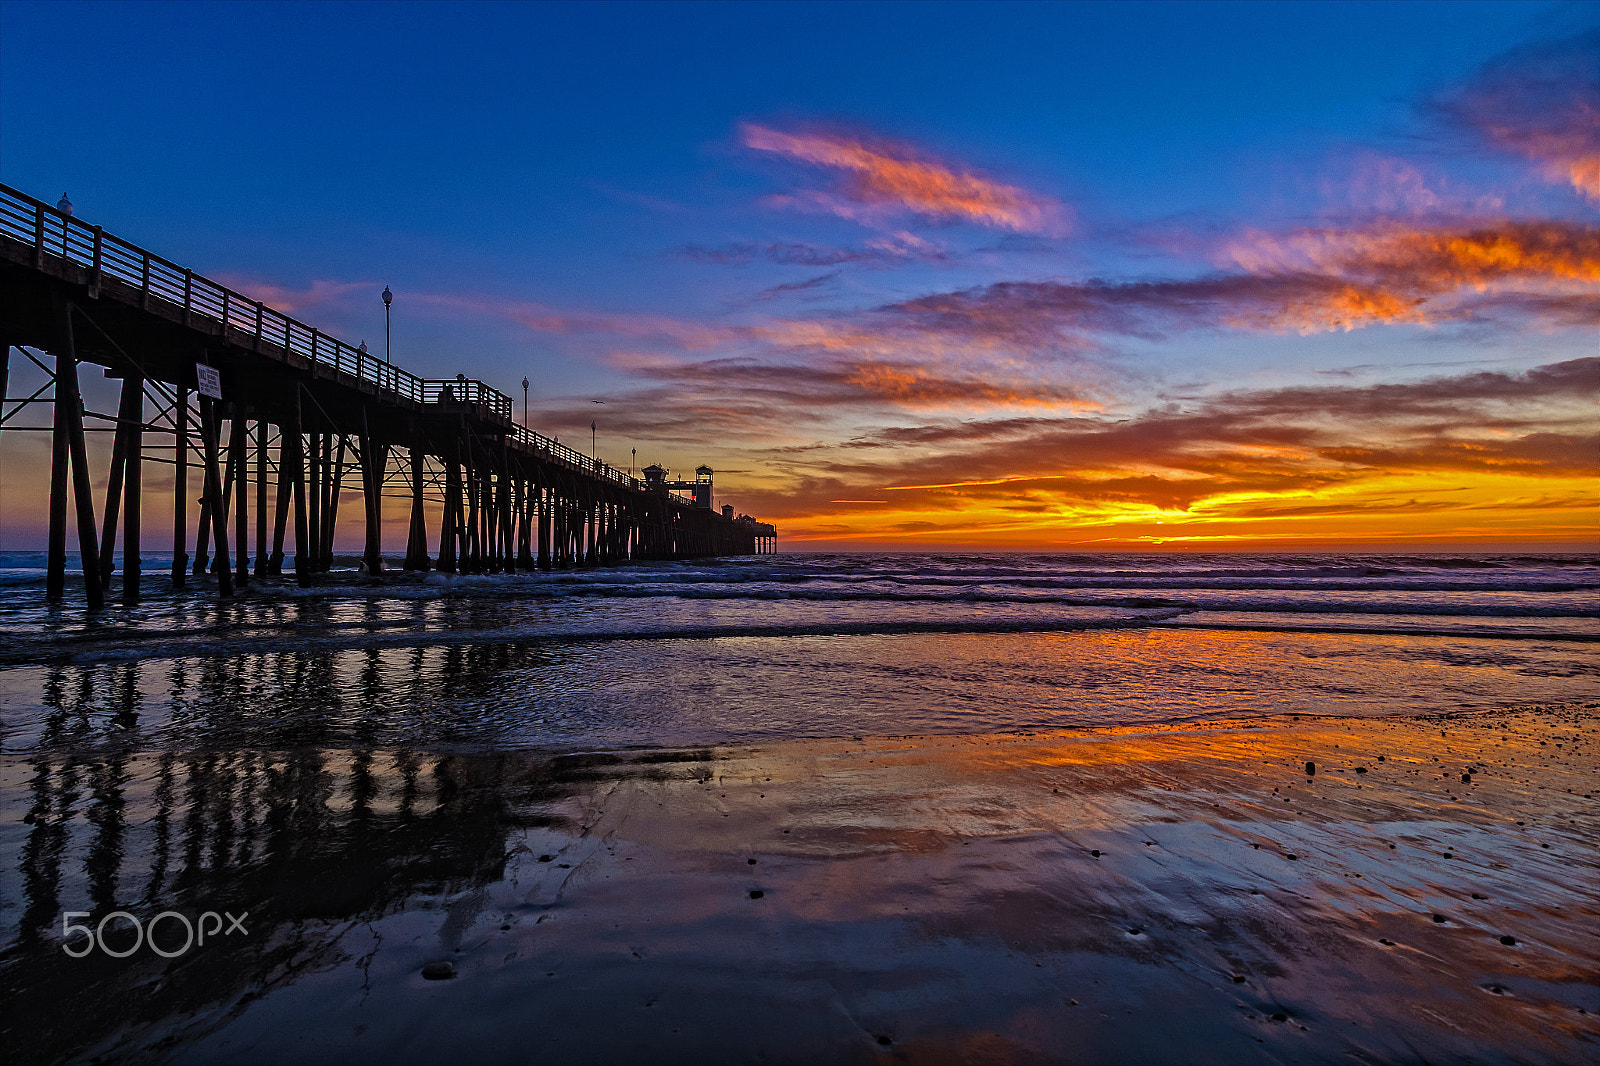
(1177, 894)
(890, 808)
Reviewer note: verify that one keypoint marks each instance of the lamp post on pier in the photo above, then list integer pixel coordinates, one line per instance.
(525, 405)
(388, 298)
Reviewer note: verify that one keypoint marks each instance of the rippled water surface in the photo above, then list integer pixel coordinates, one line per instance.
(798, 645)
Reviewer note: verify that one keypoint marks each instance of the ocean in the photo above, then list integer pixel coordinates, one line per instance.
(798, 645)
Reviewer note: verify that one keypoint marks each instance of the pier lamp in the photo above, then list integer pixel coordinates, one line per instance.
(525, 403)
(64, 205)
(388, 298)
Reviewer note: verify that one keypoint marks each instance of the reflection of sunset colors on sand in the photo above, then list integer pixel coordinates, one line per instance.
(1037, 892)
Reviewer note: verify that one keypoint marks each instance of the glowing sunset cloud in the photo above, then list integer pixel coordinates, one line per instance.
(1542, 103)
(888, 175)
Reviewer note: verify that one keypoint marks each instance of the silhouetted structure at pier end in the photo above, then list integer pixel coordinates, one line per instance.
(264, 406)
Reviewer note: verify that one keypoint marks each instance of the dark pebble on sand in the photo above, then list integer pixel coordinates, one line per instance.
(752, 862)
(1361, 769)
(1134, 931)
(1509, 941)
(1389, 943)
(1096, 853)
(1466, 778)
(438, 971)
(546, 858)
(1238, 979)
(1449, 855)
(884, 1040)
(756, 893)
(1280, 1017)
(1311, 768)
(1440, 919)
(1291, 856)
(1479, 895)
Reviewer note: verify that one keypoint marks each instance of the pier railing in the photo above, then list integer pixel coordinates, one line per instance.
(198, 302)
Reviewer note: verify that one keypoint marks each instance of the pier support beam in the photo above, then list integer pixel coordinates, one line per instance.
(180, 489)
(417, 539)
(263, 563)
(374, 461)
(297, 475)
(133, 487)
(239, 462)
(67, 448)
(214, 498)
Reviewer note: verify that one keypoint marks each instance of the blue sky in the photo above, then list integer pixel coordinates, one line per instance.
(631, 201)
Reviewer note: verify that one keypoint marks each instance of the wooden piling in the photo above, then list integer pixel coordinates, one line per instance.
(374, 458)
(239, 432)
(82, 481)
(180, 489)
(133, 488)
(263, 562)
(214, 494)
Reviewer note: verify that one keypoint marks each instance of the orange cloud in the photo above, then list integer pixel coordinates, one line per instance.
(1309, 281)
(1517, 449)
(1428, 261)
(883, 174)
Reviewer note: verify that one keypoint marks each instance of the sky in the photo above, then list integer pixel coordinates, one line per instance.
(908, 276)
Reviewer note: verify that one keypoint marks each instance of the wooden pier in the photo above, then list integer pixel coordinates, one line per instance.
(274, 419)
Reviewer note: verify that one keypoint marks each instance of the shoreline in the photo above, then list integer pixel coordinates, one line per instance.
(941, 893)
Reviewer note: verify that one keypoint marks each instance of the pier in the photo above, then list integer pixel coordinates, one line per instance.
(276, 421)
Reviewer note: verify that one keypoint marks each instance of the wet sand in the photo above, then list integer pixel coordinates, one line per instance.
(1184, 894)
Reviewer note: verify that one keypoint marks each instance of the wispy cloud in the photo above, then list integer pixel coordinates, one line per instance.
(773, 292)
(879, 178)
(888, 250)
(676, 332)
(290, 298)
(1543, 103)
(1307, 281)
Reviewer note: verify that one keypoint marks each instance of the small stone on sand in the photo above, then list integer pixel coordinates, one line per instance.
(438, 971)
